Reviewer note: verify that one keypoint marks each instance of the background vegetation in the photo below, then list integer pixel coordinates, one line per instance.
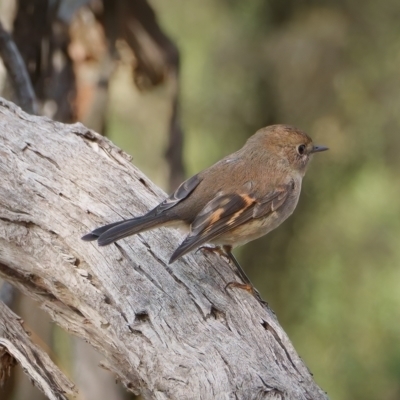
(332, 271)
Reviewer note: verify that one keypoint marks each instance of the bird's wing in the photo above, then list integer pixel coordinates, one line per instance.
(180, 194)
(228, 211)
(272, 201)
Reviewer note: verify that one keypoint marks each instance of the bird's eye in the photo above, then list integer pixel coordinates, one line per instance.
(301, 149)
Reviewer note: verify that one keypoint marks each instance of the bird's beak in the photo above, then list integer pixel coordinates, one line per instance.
(317, 149)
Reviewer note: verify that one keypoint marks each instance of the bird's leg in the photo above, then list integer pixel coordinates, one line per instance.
(226, 251)
(246, 285)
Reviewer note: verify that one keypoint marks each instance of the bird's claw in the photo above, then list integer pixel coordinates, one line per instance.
(248, 288)
(245, 286)
(213, 249)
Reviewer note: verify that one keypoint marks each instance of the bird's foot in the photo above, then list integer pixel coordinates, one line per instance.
(214, 249)
(226, 253)
(248, 288)
(245, 286)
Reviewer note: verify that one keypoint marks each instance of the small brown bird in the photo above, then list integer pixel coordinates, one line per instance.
(240, 198)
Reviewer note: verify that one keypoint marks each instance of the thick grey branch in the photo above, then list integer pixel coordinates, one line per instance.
(167, 331)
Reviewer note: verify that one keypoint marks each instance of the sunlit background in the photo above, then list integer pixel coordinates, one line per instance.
(332, 68)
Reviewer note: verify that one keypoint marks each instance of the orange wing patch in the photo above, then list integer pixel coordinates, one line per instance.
(248, 201)
(213, 219)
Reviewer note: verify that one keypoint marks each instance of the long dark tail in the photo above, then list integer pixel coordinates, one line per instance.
(108, 234)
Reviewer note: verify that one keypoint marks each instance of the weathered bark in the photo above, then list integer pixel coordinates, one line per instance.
(15, 344)
(167, 331)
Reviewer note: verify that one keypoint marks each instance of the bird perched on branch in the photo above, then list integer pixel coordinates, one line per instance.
(240, 198)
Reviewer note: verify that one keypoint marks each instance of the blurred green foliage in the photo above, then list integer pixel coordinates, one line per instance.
(332, 271)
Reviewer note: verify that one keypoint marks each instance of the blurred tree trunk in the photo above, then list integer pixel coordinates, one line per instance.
(165, 331)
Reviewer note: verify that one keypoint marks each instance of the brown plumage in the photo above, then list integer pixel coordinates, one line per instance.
(240, 198)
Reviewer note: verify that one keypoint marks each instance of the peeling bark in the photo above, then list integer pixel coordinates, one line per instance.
(167, 331)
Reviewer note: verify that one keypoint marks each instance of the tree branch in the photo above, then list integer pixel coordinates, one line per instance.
(167, 331)
(17, 72)
(15, 344)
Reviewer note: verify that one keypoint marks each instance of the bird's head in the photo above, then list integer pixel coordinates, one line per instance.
(287, 143)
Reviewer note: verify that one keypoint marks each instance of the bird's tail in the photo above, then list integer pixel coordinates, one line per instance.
(108, 234)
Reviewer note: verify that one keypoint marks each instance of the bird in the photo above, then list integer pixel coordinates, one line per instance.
(240, 198)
